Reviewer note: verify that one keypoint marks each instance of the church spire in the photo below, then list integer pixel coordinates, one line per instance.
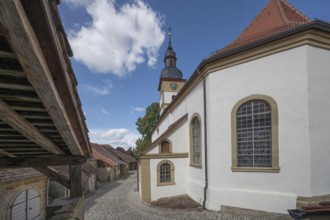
(169, 38)
(170, 70)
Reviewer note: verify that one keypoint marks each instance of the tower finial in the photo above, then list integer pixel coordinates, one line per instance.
(169, 37)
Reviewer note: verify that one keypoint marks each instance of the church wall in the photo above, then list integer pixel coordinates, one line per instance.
(282, 76)
(196, 178)
(193, 104)
(319, 120)
(168, 96)
(180, 174)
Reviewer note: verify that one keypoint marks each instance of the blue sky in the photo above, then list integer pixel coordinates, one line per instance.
(119, 45)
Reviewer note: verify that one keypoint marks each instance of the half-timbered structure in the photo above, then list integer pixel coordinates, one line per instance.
(41, 119)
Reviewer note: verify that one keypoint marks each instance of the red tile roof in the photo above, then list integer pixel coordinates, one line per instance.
(124, 156)
(278, 16)
(86, 168)
(100, 153)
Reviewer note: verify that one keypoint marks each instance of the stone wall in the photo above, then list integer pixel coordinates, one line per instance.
(314, 200)
(103, 174)
(56, 190)
(9, 190)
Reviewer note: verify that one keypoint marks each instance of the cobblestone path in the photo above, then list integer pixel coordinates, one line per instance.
(119, 200)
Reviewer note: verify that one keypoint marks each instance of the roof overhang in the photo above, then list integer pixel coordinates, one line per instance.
(40, 111)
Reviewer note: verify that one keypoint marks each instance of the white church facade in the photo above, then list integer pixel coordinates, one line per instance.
(250, 128)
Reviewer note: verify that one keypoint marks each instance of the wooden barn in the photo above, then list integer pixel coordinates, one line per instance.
(41, 118)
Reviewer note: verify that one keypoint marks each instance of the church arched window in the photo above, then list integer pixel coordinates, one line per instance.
(254, 130)
(195, 142)
(165, 173)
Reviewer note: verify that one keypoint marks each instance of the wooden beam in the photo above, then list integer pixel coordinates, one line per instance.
(41, 161)
(23, 41)
(12, 73)
(2, 152)
(54, 176)
(25, 128)
(17, 87)
(76, 189)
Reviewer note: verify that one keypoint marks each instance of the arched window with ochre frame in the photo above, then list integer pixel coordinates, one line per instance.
(195, 141)
(255, 135)
(165, 173)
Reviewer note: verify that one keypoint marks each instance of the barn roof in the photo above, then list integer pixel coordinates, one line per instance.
(41, 117)
(101, 153)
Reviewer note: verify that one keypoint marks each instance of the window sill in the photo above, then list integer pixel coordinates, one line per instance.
(166, 184)
(256, 169)
(199, 166)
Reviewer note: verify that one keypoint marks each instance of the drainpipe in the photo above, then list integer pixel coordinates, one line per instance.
(137, 176)
(205, 136)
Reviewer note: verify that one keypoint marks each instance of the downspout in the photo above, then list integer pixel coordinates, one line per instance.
(205, 137)
(137, 176)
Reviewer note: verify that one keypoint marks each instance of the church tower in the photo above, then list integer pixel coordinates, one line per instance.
(171, 80)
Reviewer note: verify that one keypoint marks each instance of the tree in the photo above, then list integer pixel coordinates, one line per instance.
(145, 126)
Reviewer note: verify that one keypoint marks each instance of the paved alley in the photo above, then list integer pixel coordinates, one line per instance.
(119, 200)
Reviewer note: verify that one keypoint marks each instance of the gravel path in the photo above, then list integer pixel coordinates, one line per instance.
(119, 200)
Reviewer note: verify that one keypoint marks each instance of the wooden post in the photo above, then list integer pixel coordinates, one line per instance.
(76, 189)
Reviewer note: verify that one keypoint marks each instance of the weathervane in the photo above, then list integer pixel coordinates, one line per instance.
(169, 37)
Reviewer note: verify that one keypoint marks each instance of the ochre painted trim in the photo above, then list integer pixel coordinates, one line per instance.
(164, 155)
(274, 117)
(160, 145)
(312, 37)
(172, 173)
(169, 131)
(304, 38)
(256, 169)
(145, 180)
(196, 166)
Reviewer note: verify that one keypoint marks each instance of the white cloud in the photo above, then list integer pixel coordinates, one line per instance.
(98, 91)
(102, 90)
(138, 109)
(118, 38)
(104, 111)
(120, 137)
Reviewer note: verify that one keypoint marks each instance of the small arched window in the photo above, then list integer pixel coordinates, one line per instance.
(165, 173)
(255, 132)
(195, 142)
(165, 147)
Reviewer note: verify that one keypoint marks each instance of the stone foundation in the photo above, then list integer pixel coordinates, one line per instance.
(314, 200)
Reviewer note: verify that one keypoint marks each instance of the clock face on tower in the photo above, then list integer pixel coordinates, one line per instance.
(174, 86)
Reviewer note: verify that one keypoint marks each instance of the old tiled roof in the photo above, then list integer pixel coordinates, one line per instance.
(63, 170)
(278, 16)
(124, 156)
(100, 153)
(86, 168)
(117, 154)
(15, 174)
